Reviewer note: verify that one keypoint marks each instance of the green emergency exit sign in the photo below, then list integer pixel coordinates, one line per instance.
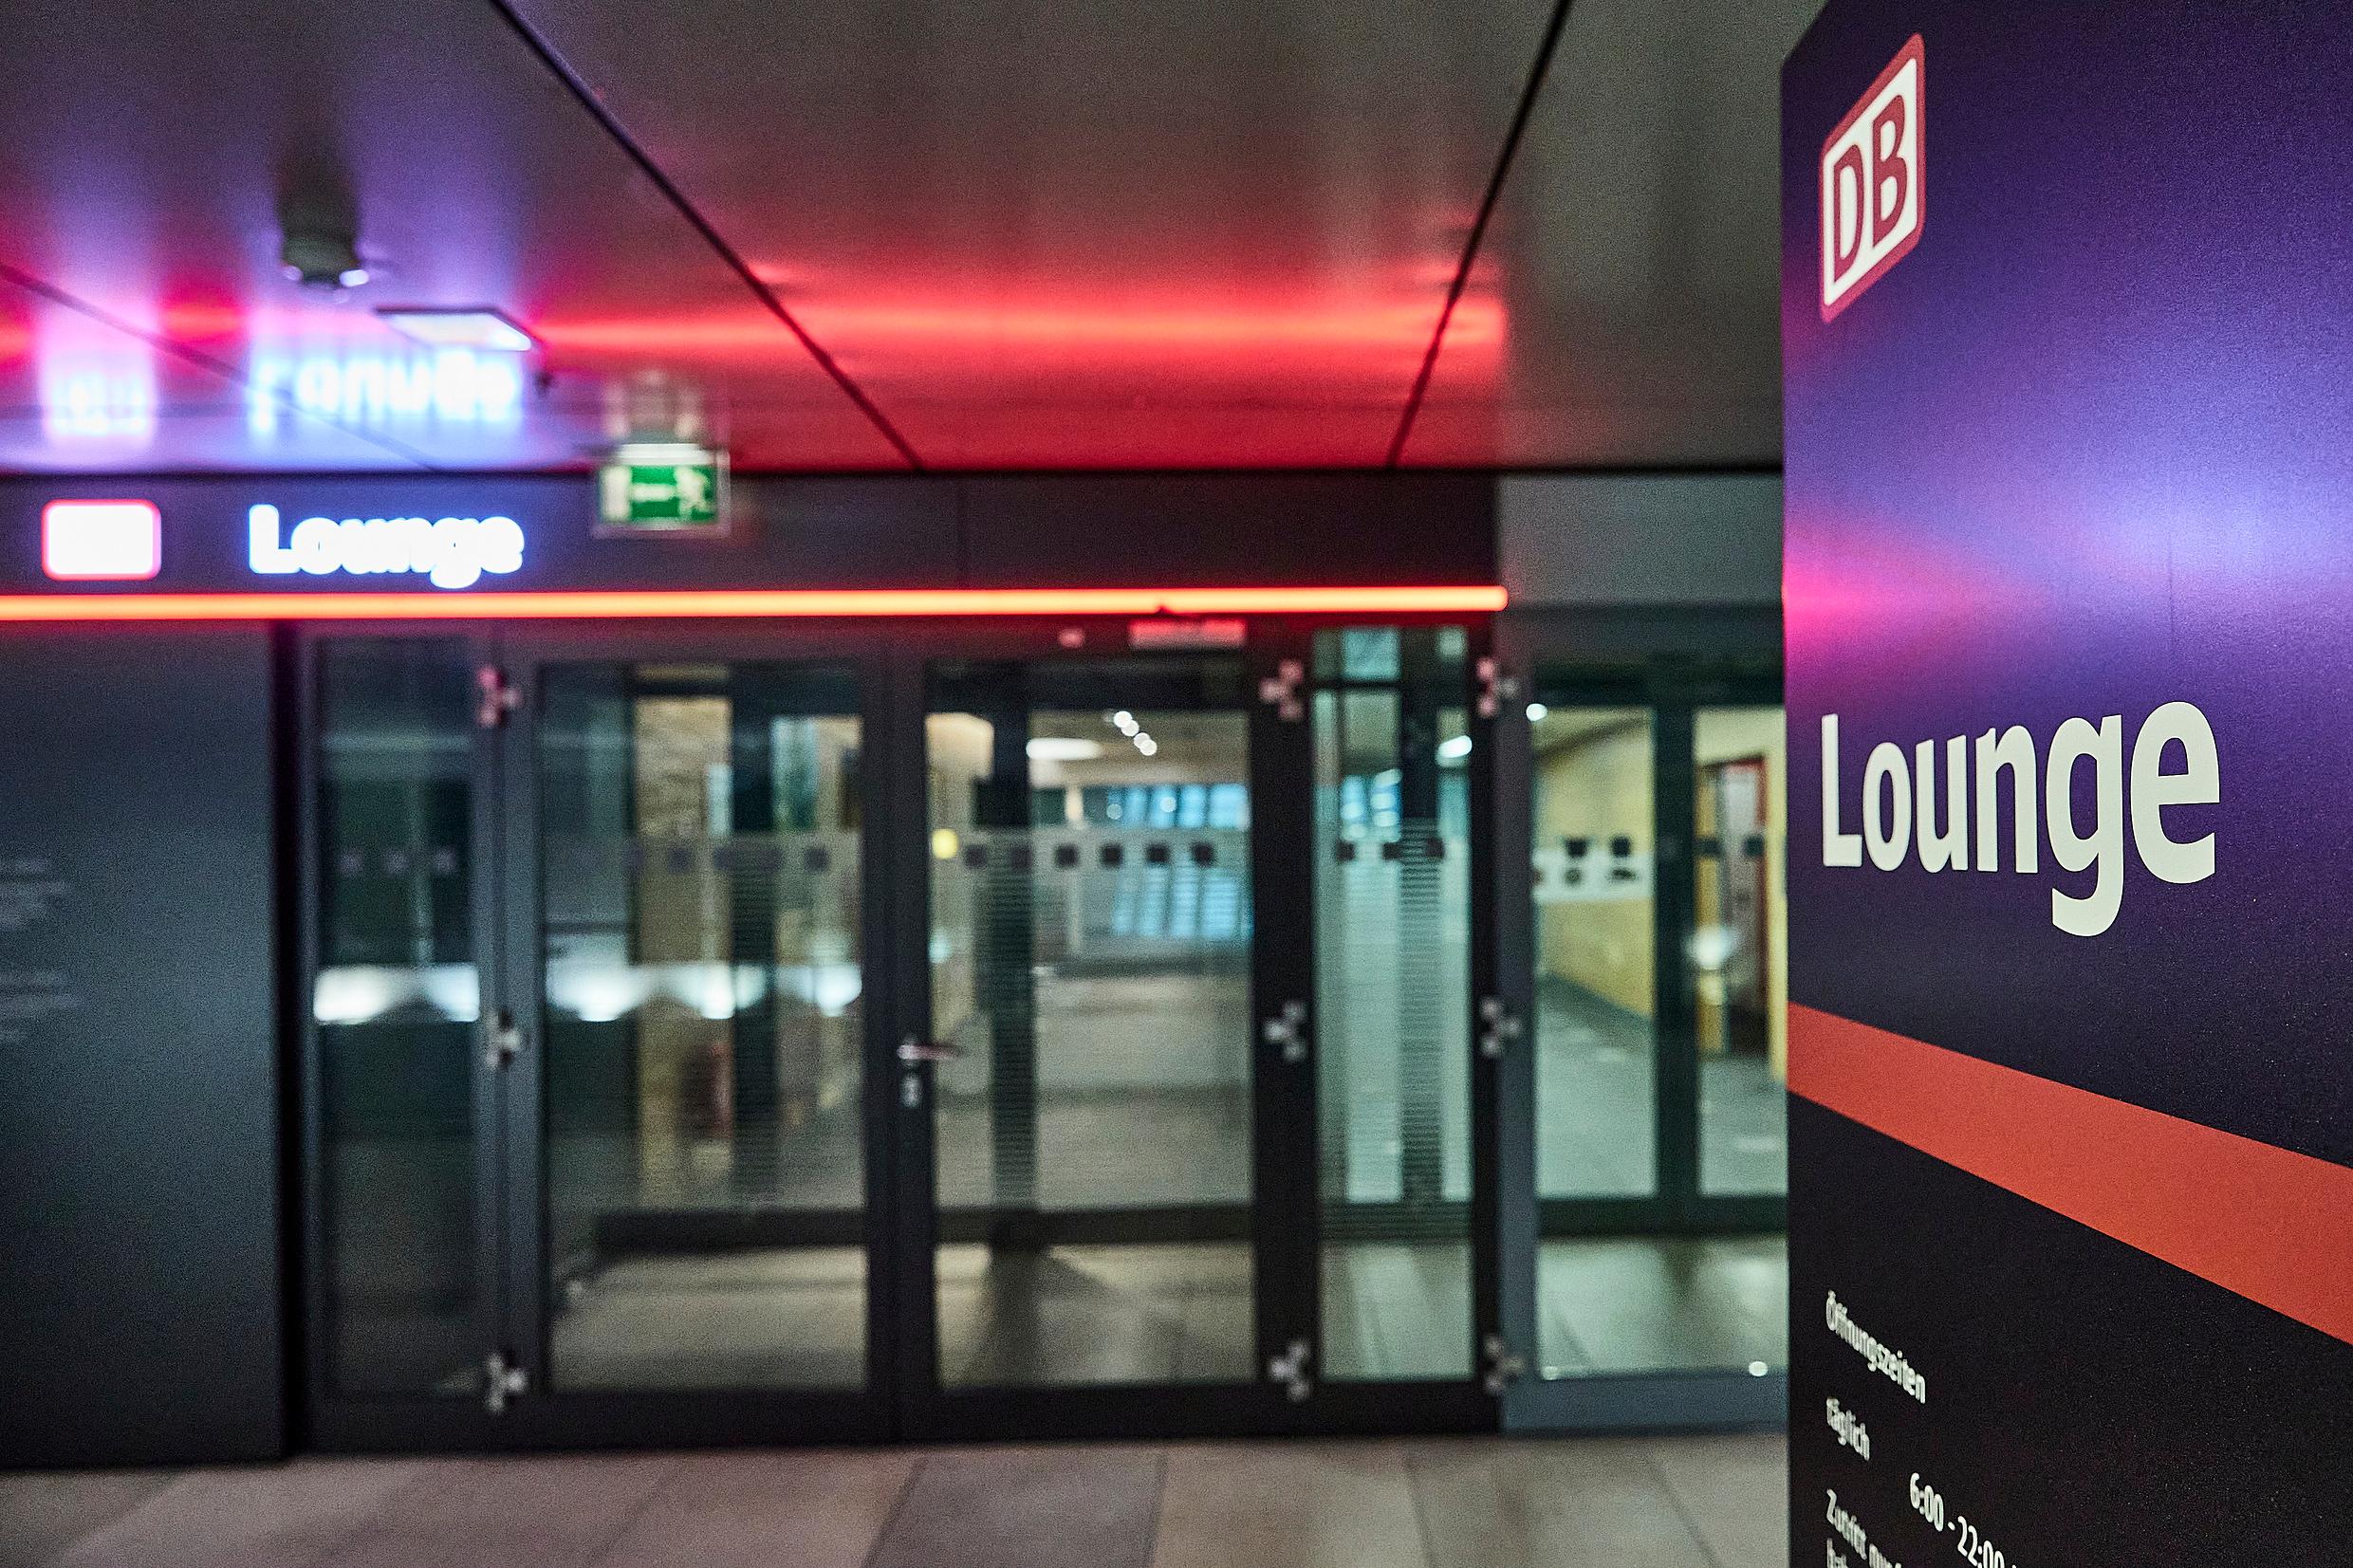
(670, 488)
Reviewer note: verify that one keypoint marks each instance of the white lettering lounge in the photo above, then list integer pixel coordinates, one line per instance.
(2138, 793)
(452, 552)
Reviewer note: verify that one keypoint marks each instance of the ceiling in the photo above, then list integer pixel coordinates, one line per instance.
(853, 235)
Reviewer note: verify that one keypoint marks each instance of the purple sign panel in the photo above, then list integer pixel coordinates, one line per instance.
(2067, 322)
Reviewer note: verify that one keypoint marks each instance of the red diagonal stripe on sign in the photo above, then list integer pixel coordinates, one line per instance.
(2274, 1225)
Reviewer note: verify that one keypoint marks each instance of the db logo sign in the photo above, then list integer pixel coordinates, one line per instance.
(1871, 204)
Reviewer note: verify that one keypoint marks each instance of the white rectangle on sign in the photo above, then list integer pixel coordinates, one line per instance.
(1872, 205)
(101, 541)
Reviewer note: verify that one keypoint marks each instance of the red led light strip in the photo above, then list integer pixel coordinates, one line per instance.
(730, 605)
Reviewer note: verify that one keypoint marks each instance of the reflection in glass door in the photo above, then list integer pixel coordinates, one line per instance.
(1739, 942)
(1656, 935)
(607, 1082)
(404, 1267)
(700, 917)
(1393, 1003)
(1596, 1032)
(1089, 1057)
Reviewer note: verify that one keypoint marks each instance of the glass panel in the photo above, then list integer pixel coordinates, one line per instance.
(1090, 914)
(1623, 1284)
(704, 1026)
(1739, 949)
(1393, 1003)
(396, 1003)
(1596, 1038)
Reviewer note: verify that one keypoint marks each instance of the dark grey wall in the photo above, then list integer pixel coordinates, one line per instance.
(140, 1296)
(1648, 540)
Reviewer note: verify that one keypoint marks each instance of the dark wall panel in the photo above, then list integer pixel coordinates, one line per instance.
(791, 533)
(140, 1304)
(1177, 530)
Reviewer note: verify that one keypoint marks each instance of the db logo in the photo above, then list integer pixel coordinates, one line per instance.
(1871, 183)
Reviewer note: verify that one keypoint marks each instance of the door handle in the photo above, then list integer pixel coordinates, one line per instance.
(911, 1049)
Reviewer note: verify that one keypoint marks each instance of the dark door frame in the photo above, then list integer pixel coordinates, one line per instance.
(777, 1415)
(902, 1399)
(330, 1416)
(927, 1408)
(1669, 664)
(1372, 1406)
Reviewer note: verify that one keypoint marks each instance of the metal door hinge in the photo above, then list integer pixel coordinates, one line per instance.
(1288, 1029)
(502, 1042)
(1497, 686)
(1504, 1367)
(499, 696)
(1280, 691)
(502, 1380)
(1290, 1370)
(1498, 1028)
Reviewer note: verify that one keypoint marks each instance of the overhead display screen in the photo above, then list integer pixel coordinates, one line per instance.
(2067, 323)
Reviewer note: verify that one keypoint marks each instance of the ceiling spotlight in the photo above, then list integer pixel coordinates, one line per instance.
(457, 327)
(1126, 721)
(1538, 712)
(1146, 744)
(321, 257)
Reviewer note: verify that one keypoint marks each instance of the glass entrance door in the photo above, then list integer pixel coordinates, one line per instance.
(702, 994)
(1643, 807)
(402, 1195)
(1087, 1073)
(746, 1033)
(690, 932)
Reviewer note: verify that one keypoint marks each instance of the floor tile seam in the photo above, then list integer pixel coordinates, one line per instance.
(899, 1507)
(1411, 1463)
(1682, 1509)
(1159, 1510)
(64, 1548)
(432, 1479)
(677, 1468)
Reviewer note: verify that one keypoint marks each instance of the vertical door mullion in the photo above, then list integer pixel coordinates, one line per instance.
(905, 855)
(880, 828)
(1517, 1207)
(1672, 911)
(306, 720)
(1287, 1223)
(1503, 1231)
(523, 1166)
(485, 867)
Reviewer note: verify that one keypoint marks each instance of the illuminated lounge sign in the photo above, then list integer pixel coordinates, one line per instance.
(500, 547)
(449, 553)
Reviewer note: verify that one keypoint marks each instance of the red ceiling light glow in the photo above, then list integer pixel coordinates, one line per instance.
(101, 541)
(1377, 329)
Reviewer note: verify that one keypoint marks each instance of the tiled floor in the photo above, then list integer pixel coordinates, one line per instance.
(1472, 1502)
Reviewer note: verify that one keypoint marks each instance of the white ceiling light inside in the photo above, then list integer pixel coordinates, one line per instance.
(1064, 749)
(477, 328)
